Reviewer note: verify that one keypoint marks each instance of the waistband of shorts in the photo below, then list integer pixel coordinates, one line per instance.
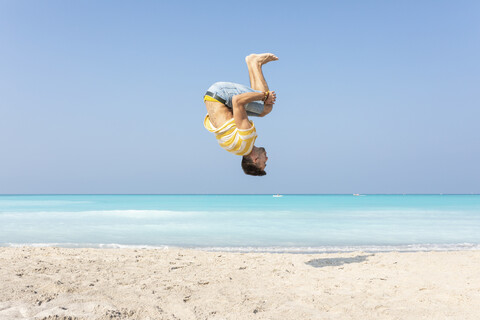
(215, 96)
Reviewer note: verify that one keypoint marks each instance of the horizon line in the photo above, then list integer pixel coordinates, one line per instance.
(216, 194)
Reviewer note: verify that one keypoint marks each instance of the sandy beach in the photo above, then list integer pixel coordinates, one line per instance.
(59, 283)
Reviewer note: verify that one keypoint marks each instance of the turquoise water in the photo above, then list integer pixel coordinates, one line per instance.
(292, 223)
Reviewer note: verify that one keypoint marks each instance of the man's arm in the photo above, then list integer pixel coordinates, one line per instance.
(239, 113)
(240, 100)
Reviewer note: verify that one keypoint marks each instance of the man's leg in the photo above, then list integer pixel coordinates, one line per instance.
(257, 80)
(254, 64)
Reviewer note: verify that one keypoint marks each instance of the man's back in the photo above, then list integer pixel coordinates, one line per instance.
(218, 113)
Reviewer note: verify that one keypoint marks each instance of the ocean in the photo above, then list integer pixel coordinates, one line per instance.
(244, 223)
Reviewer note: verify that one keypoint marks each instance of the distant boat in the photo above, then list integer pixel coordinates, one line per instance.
(277, 195)
(356, 194)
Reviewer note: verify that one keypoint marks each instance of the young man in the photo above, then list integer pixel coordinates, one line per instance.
(229, 105)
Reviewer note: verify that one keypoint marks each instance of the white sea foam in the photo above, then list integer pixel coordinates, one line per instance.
(300, 250)
(333, 249)
(82, 245)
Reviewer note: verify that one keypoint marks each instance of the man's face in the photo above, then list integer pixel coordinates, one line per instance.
(262, 158)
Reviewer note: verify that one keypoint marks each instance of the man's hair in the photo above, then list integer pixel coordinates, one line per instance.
(250, 168)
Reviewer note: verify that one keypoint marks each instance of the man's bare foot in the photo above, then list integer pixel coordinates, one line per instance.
(261, 58)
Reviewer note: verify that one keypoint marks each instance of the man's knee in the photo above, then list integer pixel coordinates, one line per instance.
(266, 110)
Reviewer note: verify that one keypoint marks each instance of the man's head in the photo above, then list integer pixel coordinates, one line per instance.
(255, 162)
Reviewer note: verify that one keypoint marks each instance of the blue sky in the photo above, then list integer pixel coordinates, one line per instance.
(372, 96)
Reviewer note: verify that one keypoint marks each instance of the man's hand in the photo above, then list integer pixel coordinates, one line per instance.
(272, 96)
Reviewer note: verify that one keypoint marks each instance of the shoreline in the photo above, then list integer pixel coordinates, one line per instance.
(445, 247)
(85, 283)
